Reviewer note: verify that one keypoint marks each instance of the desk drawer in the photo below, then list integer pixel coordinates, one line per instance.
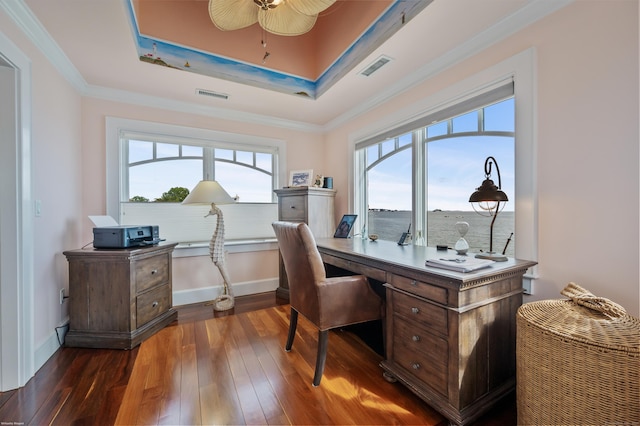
(293, 208)
(355, 267)
(410, 336)
(151, 272)
(152, 304)
(416, 310)
(433, 374)
(428, 291)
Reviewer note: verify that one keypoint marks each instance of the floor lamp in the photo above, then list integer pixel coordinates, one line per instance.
(210, 192)
(487, 199)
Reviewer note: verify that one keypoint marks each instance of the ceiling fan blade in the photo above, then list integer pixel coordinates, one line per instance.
(229, 15)
(285, 21)
(310, 7)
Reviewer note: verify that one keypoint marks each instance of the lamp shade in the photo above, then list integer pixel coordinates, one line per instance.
(488, 191)
(208, 192)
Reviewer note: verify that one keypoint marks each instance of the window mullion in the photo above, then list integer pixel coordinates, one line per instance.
(419, 185)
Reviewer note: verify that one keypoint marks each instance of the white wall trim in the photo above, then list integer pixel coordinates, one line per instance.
(200, 295)
(16, 285)
(180, 298)
(115, 126)
(26, 21)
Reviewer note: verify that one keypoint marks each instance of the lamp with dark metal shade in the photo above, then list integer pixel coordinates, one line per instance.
(210, 192)
(486, 201)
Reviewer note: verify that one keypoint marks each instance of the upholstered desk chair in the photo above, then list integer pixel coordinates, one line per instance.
(326, 302)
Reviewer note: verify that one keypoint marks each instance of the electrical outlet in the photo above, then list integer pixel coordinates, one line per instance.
(61, 296)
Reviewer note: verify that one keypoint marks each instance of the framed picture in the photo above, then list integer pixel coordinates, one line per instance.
(345, 225)
(301, 178)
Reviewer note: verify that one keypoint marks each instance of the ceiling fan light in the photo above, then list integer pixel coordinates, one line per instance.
(267, 4)
(280, 17)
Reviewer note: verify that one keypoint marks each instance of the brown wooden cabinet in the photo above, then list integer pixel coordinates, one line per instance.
(313, 206)
(118, 297)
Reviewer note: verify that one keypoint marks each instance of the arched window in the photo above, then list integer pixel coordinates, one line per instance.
(421, 177)
(152, 166)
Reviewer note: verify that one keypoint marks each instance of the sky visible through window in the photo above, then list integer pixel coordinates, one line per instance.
(455, 166)
(151, 180)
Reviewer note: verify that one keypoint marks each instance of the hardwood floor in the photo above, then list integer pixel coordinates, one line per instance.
(223, 368)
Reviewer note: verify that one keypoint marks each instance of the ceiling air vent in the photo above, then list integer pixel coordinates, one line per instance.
(212, 94)
(376, 65)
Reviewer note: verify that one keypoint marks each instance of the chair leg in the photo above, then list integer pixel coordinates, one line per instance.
(323, 341)
(293, 323)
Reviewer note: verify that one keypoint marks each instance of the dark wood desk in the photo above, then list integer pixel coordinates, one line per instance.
(450, 337)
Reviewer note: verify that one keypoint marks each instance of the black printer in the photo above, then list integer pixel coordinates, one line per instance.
(126, 236)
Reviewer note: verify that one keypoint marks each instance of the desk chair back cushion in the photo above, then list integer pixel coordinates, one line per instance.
(326, 302)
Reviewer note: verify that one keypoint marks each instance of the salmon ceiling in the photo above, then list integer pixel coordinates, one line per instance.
(180, 34)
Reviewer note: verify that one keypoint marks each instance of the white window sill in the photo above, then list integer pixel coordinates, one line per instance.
(201, 248)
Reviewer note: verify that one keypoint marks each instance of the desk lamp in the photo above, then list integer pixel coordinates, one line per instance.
(486, 202)
(205, 192)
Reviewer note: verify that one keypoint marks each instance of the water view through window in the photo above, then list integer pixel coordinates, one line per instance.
(452, 156)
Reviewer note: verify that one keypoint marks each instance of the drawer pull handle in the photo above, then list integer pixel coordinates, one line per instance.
(154, 305)
(416, 338)
(415, 311)
(293, 207)
(415, 366)
(154, 271)
(414, 283)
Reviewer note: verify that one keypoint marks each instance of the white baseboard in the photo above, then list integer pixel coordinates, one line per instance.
(187, 297)
(184, 297)
(50, 345)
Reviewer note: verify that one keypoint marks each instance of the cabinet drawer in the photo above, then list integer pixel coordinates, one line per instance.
(428, 291)
(151, 272)
(427, 315)
(293, 208)
(152, 303)
(433, 374)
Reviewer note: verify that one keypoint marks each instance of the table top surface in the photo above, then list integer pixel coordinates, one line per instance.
(389, 255)
(129, 251)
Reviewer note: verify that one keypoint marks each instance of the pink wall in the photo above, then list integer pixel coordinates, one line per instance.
(587, 145)
(56, 181)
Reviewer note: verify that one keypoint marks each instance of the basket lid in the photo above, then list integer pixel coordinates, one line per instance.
(586, 318)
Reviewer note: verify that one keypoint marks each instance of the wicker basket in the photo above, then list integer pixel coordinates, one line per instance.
(578, 362)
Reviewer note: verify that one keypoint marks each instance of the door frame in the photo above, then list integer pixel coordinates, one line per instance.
(17, 352)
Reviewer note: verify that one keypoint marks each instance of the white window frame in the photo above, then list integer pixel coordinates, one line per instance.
(117, 127)
(521, 68)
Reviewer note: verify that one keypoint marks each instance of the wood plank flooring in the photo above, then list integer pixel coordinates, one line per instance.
(223, 368)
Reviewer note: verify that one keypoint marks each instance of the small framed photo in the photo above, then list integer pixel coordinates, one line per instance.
(345, 225)
(301, 178)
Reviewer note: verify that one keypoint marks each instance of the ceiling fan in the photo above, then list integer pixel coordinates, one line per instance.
(281, 17)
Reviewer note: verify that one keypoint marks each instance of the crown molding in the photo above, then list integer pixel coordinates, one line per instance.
(40, 37)
(31, 26)
(117, 95)
(27, 22)
(506, 27)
